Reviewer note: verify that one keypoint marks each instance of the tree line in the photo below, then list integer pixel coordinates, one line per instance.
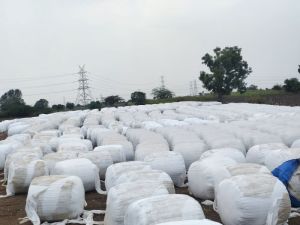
(227, 72)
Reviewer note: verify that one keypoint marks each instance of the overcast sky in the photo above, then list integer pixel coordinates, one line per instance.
(127, 45)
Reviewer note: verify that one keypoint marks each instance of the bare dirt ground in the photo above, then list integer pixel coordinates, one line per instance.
(13, 208)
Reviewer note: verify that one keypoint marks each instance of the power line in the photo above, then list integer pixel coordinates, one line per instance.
(53, 92)
(22, 78)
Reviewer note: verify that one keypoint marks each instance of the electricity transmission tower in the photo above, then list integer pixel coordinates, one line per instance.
(84, 95)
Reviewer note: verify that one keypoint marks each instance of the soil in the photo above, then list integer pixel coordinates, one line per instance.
(13, 208)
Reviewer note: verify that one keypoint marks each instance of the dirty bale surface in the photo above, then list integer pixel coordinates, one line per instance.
(13, 208)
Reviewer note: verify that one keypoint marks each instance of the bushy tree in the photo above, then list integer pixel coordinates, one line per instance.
(228, 71)
(138, 98)
(277, 87)
(291, 85)
(41, 104)
(252, 87)
(70, 105)
(162, 93)
(95, 105)
(112, 100)
(11, 98)
(58, 107)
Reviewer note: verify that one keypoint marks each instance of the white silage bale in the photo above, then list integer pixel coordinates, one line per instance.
(121, 196)
(276, 157)
(29, 149)
(74, 147)
(19, 156)
(170, 162)
(5, 149)
(296, 144)
(83, 168)
(22, 172)
(191, 222)
(156, 176)
(163, 208)
(52, 158)
(13, 130)
(232, 153)
(253, 199)
(116, 151)
(114, 171)
(241, 169)
(144, 149)
(257, 153)
(55, 198)
(191, 152)
(204, 174)
(22, 138)
(102, 159)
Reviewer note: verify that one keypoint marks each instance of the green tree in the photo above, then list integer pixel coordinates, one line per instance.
(277, 87)
(252, 87)
(299, 69)
(58, 107)
(10, 98)
(41, 104)
(112, 100)
(95, 105)
(162, 93)
(228, 71)
(138, 98)
(291, 85)
(70, 105)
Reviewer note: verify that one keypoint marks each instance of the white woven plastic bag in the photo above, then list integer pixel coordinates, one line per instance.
(170, 162)
(55, 198)
(253, 199)
(83, 168)
(121, 196)
(163, 208)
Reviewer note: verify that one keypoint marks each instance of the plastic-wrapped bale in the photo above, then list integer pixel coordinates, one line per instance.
(56, 141)
(146, 148)
(102, 159)
(163, 208)
(121, 196)
(191, 222)
(75, 147)
(52, 158)
(155, 176)
(191, 152)
(170, 162)
(253, 199)
(114, 171)
(5, 149)
(204, 174)
(296, 144)
(22, 172)
(232, 153)
(83, 168)
(116, 151)
(55, 198)
(23, 138)
(257, 153)
(28, 156)
(275, 158)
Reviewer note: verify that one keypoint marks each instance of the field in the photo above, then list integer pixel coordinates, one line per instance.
(178, 127)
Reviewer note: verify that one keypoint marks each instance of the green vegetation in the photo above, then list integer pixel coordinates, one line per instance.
(228, 71)
(138, 98)
(162, 93)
